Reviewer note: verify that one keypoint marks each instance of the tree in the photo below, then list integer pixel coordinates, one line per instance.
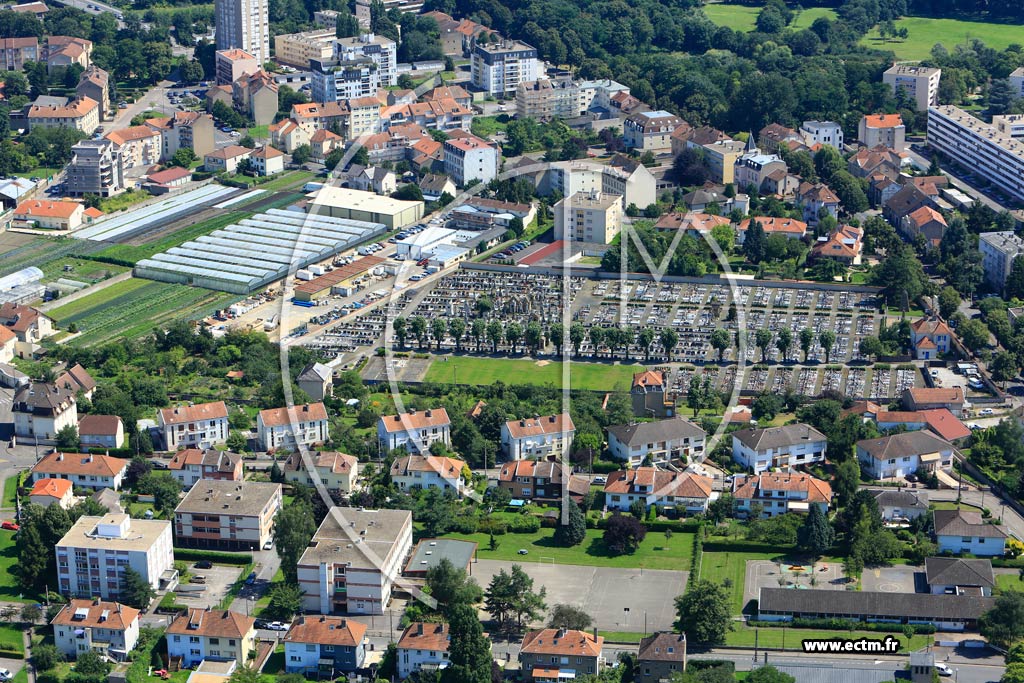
(192, 71)
(1014, 673)
(769, 674)
(302, 154)
(574, 531)
(703, 613)
(847, 478)
(1004, 366)
(815, 535)
(67, 439)
(245, 674)
(164, 488)
(285, 602)
(46, 657)
(136, 590)
(510, 598)
(721, 340)
(569, 617)
(452, 586)
(784, 342)
(469, 651)
(755, 242)
(91, 664)
(827, 339)
(763, 339)
(33, 553)
(236, 442)
(766, 406)
(1003, 625)
(293, 529)
(901, 276)
(418, 326)
(668, 338)
(949, 298)
(438, 330)
(457, 328)
(409, 192)
(623, 534)
(346, 25)
(973, 334)
(806, 341)
(183, 158)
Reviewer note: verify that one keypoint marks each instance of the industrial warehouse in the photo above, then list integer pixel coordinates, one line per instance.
(243, 257)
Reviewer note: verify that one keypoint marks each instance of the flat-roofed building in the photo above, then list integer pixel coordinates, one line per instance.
(93, 554)
(430, 552)
(234, 63)
(236, 515)
(589, 217)
(974, 144)
(298, 49)
(97, 167)
(920, 83)
(547, 99)
(498, 68)
(998, 251)
(340, 202)
(353, 560)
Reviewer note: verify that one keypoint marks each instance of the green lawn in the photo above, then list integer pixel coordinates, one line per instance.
(10, 491)
(287, 181)
(486, 126)
(12, 639)
(258, 132)
(10, 587)
(82, 270)
(584, 376)
(744, 636)
(622, 637)
(123, 201)
(743, 18)
(98, 298)
(654, 553)
(952, 505)
(733, 566)
(1009, 582)
(924, 32)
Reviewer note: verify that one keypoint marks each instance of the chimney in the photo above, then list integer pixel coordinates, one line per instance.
(522, 423)
(95, 601)
(428, 413)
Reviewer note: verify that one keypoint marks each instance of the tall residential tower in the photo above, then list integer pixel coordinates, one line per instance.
(244, 24)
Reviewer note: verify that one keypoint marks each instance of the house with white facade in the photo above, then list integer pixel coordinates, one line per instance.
(428, 472)
(414, 431)
(681, 492)
(191, 465)
(896, 456)
(337, 471)
(786, 446)
(92, 555)
(423, 645)
(324, 646)
(286, 428)
(822, 133)
(47, 492)
(658, 442)
(41, 410)
(901, 506)
(960, 531)
(100, 431)
(83, 470)
(957, 576)
(216, 634)
(107, 628)
(202, 425)
(468, 157)
(537, 437)
(780, 492)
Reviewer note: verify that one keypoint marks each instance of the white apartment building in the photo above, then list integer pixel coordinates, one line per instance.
(661, 441)
(780, 492)
(414, 431)
(229, 515)
(285, 428)
(682, 492)
(1010, 125)
(423, 644)
(41, 410)
(998, 250)
(778, 447)
(921, 83)
(353, 560)
(298, 49)
(93, 554)
(215, 634)
(107, 628)
(822, 133)
(976, 145)
(622, 175)
(471, 158)
(199, 426)
(537, 437)
(1017, 81)
(650, 131)
(83, 470)
(498, 68)
(588, 217)
(244, 24)
(358, 67)
(428, 472)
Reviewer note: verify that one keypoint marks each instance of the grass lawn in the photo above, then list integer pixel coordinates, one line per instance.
(733, 566)
(134, 307)
(10, 587)
(21, 676)
(925, 32)
(287, 181)
(11, 639)
(45, 172)
(258, 132)
(123, 200)
(485, 126)
(10, 491)
(654, 553)
(82, 270)
(585, 376)
(743, 636)
(743, 18)
(622, 637)
(1009, 582)
(952, 505)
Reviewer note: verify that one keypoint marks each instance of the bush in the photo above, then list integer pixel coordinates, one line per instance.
(524, 524)
(169, 603)
(493, 526)
(844, 625)
(465, 525)
(48, 677)
(194, 555)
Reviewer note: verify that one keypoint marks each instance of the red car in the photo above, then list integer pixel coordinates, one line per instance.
(10, 526)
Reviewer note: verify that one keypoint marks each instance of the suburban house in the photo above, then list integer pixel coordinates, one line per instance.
(83, 470)
(924, 221)
(901, 506)
(780, 492)
(537, 437)
(191, 465)
(787, 227)
(47, 492)
(428, 472)
(337, 471)
(220, 635)
(92, 555)
(286, 428)
(49, 215)
(959, 531)
(648, 393)
(423, 646)
(896, 456)
(930, 337)
(938, 420)
(266, 161)
(226, 159)
(324, 646)
(229, 515)
(681, 492)
(8, 345)
(550, 655)
(925, 398)
(845, 245)
(661, 656)
(659, 442)
(315, 379)
(351, 563)
(945, 612)
(786, 446)
(956, 576)
(541, 480)
(415, 430)
(100, 431)
(41, 410)
(107, 628)
(200, 425)
(28, 324)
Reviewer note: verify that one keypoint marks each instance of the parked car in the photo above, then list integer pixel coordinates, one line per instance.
(268, 545)
(987, 411)
(261, 623)
(203, 564)
(5, 674)
(600, 480)
(943, 669)
(251, 579)
(277, 626)
(9, 526)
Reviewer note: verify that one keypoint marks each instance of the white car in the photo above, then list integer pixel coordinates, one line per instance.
(943, 669)
(5, 674)
(277, 626)
(987, 411)
(600, 480)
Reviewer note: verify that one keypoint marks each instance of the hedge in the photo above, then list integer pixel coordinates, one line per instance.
(1008, 563)
(125, 453)
(746, 546)
(169, 603)
(195, 555)
(843, 625)
(701, 664)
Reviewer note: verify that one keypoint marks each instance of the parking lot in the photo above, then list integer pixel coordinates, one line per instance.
(768, 574)
(218, 581)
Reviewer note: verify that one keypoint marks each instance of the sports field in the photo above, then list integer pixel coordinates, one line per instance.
(924, 32)
(584, 376)
(134, 307)
(742, 17)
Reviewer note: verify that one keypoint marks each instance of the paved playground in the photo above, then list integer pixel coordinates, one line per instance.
(602, 592)
(767, 574)
(895, 579)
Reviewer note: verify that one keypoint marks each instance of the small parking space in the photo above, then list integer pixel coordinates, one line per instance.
(768, 574)
(896, 579)
(217, 582)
